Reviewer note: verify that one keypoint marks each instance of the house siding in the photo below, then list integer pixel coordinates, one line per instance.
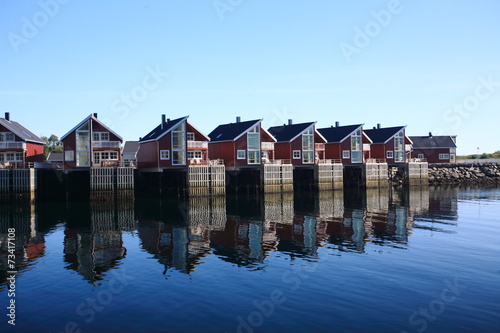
(223, 150)
(432, 154)
(148, 155)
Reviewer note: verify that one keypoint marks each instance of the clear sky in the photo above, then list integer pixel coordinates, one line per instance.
(431, 65)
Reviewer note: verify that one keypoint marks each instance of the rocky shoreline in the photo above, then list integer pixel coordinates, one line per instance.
(487, 173)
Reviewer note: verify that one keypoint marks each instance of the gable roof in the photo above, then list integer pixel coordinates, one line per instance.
(91, 116)
(232, 131)
(382, 135)
(286, 133)
(159, 131)
(21, 131)
(338, 133)
(438, 141)
(55, 157)
(130, 147)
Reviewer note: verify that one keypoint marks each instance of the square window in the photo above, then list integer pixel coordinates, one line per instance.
(69, 155)
(190, 136)
(240, 154)
(390, 154)
(164, 154)
(346, 154)
(420, 156)
(296, 154)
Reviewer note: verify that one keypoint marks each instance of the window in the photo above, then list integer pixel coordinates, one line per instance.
(83, 145)
(194, 154)
(179, 145)
(82, 158)
(420, 156)
(253, 145)
(390, 154)
(356, 156)
(164, 154)
(308, 146)
(240, 154)
(19, 157)
(7, 137)
(190, 136)
(346, 154)
(69, 155)
(399, 146)
(444, 156)
(101, 136)
(296, 154)
(356, 147)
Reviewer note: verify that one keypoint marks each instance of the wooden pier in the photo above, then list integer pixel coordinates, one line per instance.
(18, 183)
(277, 176)
(329, 175)
(206, 179)
(375, 173)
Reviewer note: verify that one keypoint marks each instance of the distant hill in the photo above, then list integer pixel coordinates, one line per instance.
(482, 156)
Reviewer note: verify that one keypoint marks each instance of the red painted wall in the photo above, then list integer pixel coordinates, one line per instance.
(282, 151)
(432, 155)
(332, 151)
(148, 155)
(224, 150)
(34, 152)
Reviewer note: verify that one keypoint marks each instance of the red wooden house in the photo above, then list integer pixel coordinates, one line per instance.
(91, 144)
(241, 144)
(18, 144)
(346, 143)
(301, 143)
(435, 149)
(172, 144)
(389, 144)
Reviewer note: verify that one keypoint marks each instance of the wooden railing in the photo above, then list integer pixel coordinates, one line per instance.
(319, 146)
(106, 144)
(276, 162)
(366, 147)
(267, 145)
(416, 159)
(375, 160)
(16, 165)
(197, 144)
(329, 161)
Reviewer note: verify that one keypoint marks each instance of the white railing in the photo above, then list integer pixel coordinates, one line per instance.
(267, 145)
(197, 144)
(408, 147)
(106, 144)
(329, 161)
(12, 145)
(276, 162)
(376, 160)
(366, 147)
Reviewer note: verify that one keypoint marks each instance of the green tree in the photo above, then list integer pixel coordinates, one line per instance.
(52, 145)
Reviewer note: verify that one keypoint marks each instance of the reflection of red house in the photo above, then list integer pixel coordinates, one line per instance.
(241, 144)
(299, 143)
(435, 149)
(390, 144)
(90, 144)
(172, 144)
(346, 143)
(18, 144)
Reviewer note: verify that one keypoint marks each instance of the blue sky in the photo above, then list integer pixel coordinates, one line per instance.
(431, 65)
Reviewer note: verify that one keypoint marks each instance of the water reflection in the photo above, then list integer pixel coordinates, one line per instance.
(240, 230)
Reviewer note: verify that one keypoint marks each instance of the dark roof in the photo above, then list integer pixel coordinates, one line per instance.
(94, 117)
(230, 132)
(55, 157)
(438, 141)
(130, 147)
(160, 130)
(288, 132)
(338, 134)
(381, 135)
(20, 131)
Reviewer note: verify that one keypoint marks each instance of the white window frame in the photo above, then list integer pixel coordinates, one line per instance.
(101, 136)
(308, 150)
(420, 156)
(3, 137)
(190, 136)
(255, 133)
(194, 154)
(164, 154)
(296, 155)
(390, 154)
(241, 154)
(346, 154)
(444, 156)
(69, 155)
(179, 131)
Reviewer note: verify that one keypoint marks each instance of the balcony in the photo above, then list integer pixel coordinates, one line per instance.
(408, 147)
(106, 144)
(319, 146)
(267, 145)
(366, 147)
(13, 145)
(276, 162)
(197, 144)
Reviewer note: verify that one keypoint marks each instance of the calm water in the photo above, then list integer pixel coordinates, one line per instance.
(419, 261)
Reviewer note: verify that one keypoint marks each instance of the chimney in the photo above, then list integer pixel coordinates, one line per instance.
(163, 120)
(238, 119)
(378, 126)
(95, 115)
(430, 134)
(290, 121)
(7, 116)
(337, 124)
